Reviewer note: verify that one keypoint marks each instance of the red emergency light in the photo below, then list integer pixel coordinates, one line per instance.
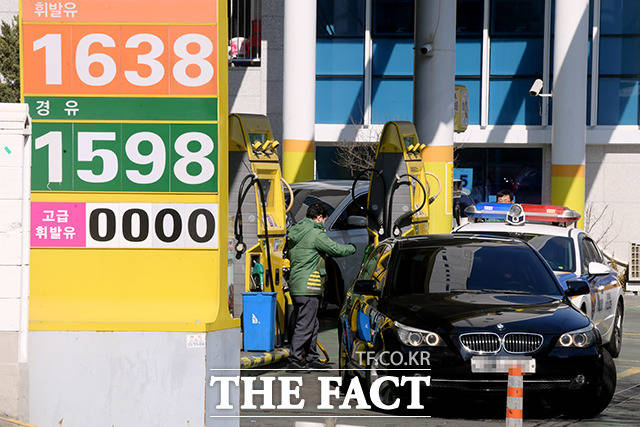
(550, 213)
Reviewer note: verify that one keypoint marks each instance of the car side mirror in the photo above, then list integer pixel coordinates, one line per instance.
(366, 287)
(598, 269)
(357, 221)
(577, 287)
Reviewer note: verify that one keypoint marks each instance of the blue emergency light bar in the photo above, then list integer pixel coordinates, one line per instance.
(518, 214)
(488, 211)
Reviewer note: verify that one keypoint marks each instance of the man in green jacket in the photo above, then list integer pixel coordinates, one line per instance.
(308, 244)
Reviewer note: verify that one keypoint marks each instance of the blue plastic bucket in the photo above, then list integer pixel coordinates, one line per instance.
(259, 320)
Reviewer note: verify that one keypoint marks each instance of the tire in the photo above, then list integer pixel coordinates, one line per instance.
(615, 343)
(592, 401)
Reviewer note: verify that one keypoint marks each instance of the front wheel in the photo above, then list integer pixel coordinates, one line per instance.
(592, 401)
(615, 343)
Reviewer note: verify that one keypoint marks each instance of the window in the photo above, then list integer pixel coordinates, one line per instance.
(393, 17)
(558, 251)
(590, 253)
(469, 17)
(355, 208)
(337, 18)
(245, 32)
(481, 266)
(490, 170)
(520, 17)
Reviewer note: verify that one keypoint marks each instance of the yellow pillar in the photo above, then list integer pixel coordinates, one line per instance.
(567, 188)
(439, 161)
(298, 160)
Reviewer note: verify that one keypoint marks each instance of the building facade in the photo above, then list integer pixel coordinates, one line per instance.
(364, 77)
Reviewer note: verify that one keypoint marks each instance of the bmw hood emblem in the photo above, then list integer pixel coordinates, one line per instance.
(500, 326)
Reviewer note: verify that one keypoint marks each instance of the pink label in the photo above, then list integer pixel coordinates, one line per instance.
(58, 225)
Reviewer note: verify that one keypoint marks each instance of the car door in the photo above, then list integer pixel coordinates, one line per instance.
(607, 289)
(362, 319)
(342, 232)
(589, 253)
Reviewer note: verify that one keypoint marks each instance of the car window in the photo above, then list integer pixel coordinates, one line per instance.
(369, 265)
(472, 266)
(589, 253)
(558, 251)
(355, 208)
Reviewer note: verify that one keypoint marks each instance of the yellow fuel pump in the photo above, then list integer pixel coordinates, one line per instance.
(398, 164)
(251, 134)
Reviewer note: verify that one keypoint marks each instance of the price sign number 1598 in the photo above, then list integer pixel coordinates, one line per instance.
(99, 158)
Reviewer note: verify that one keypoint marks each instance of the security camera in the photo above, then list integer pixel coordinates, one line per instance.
(536, 88)
(426, 49)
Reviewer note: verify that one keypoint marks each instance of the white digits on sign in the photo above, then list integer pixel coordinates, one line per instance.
(84, 60)
(52, 44)
(207, 168)
(86, 153)
(156, 157)
(52, 139)
(198, 59)
(148, 59)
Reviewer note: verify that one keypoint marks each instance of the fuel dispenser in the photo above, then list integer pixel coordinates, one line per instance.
(258, 184)
(399, 189)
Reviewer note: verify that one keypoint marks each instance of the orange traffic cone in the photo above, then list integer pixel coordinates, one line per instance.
(514, 397)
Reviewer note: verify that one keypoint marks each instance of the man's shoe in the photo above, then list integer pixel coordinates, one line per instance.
(316, 364)
(294, 364)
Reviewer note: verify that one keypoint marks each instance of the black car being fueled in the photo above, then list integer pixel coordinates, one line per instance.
(462, 309)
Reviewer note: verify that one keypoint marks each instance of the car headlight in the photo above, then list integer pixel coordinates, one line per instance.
(580, 338)
(414, 337)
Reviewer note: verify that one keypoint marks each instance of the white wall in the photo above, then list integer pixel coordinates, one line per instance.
(14, 256)
(613, 183)
(8, 9)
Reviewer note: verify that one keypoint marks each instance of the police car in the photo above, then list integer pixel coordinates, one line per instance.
(570, 252)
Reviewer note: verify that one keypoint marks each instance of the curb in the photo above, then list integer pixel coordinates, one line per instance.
(263, 359)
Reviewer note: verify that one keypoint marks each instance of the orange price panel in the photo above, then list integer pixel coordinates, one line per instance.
(47, 59)
(120, 11)
(193, 58)
(120, 60)
(97, 65)
(145, 59)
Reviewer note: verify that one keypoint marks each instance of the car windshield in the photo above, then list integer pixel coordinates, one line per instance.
(474, 266)
(558, 251)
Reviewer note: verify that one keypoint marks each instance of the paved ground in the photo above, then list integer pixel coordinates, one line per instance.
(623, 410)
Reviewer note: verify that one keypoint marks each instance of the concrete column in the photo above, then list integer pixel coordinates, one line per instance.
(299, 91)
(433, 98)
(569, 104)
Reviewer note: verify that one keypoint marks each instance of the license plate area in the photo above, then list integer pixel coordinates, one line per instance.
(501, 365)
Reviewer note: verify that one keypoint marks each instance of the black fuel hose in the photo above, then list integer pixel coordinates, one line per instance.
(241, 247)
(366, 209)
(394, 186)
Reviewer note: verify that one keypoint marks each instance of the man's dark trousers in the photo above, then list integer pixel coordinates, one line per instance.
(305, 332)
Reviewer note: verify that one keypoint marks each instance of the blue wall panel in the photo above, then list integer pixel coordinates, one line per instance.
(516, 56)
(618, 101)
(340, 57)
(510, 103)
(473, 86)
(392, 99)
(468, 57)
(393, 57)
(339, 100)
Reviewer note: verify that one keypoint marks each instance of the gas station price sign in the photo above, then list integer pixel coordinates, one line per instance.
(128, 101)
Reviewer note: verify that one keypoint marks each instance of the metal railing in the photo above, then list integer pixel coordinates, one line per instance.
(245, 32)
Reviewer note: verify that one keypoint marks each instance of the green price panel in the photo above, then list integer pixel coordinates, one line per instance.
(145, 157)
(112, 108)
